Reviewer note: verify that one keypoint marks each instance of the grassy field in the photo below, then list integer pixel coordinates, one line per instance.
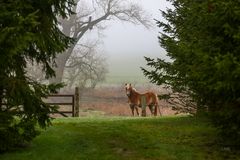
(120, 138)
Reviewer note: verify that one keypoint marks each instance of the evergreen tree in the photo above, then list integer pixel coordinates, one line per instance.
(202, 37)
(28, 32)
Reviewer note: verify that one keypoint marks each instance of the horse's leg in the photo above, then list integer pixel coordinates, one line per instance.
(132, 109)
(151, 108)
(155, 110)
(136, 108)
(157, 106)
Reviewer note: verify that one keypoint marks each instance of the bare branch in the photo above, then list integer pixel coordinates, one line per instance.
(100, 11)
(85, 66)
(181, 102)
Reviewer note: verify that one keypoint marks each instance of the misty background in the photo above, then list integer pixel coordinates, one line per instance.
(111, 39)
(125, 44)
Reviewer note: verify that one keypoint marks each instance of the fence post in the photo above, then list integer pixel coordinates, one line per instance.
(143, 105)
(77, 104)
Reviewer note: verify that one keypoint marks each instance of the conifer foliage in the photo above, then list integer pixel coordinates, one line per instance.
(28, 32)
(202, 38)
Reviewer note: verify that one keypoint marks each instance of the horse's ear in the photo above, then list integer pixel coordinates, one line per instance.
(125, 84)
(130, 85)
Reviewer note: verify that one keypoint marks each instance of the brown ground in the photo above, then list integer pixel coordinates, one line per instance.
(113, 101)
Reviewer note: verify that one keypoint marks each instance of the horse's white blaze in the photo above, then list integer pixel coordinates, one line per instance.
(127, 86)
(127, 91)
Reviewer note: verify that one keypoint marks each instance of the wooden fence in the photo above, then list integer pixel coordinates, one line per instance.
(71, 104)
(74, 103)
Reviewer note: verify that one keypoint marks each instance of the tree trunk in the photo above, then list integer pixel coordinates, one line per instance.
(61, 61)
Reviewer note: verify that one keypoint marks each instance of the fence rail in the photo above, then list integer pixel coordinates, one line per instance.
(74, 103)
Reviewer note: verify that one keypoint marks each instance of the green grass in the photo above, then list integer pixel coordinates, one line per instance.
(120, 138)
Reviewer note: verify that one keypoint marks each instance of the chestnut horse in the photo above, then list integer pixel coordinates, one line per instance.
(136, 100)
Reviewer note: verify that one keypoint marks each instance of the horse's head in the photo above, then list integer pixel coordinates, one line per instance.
(129, 89)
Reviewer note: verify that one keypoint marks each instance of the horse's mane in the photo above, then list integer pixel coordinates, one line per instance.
(135, 90)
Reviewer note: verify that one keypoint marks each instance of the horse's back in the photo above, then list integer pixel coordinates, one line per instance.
(151, 97)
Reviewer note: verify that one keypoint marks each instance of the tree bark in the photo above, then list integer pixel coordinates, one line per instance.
(61, 61)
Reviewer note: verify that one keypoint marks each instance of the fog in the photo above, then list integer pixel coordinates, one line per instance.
(125, 44)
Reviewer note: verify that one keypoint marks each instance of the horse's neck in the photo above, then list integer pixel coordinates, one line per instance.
(134, 93)
(134, 97)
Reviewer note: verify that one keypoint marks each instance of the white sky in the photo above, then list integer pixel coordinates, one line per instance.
(125, 44)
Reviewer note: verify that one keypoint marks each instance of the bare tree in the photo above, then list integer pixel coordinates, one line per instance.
(85, 67)
(90, 15)
(180, 102)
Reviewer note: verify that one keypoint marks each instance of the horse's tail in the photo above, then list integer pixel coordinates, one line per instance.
(157, 107)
